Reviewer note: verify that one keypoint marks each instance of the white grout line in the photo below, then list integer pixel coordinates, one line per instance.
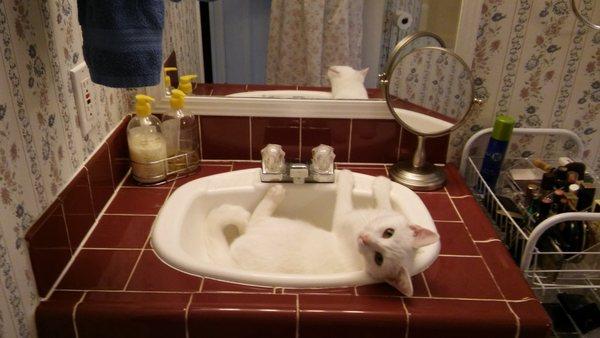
(426, 284)
(476, 248)
(466, 256)
(111, 249)
(250, 135)
(142, 251)
(300, 140)
(162, 187)
(126, 291)
(350, 140)
(136, 215)
(517, 320)
(64, 215)
(399, 144)
(187, 310)
(406, 334)
(459, 197)
(89, 181)
(74, 314)
(87, 236)
(201, 284)
(200, 136)
(488, 240)
(137, 261)
(297, 316)
(526, 299)
(110, 165)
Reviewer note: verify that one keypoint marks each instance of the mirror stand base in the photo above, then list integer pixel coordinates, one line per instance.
(426, 178)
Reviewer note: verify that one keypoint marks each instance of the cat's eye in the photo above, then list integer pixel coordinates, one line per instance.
(389, 232)
(378, 258)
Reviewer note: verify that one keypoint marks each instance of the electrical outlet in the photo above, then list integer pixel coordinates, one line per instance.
(85, 98)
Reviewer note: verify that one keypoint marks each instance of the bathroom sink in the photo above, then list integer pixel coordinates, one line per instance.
(284, 94)
(176, 234)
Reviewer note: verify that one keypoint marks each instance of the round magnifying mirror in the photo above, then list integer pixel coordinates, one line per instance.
(429, 91)
(587, 12)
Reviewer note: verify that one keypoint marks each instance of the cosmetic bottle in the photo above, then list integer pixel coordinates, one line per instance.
(181, 133)
(496, 149)
(147, 146)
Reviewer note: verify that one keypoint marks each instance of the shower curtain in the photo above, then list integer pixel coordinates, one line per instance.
(308, 36)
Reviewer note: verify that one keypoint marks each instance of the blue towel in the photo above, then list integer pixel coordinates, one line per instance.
(122, 41)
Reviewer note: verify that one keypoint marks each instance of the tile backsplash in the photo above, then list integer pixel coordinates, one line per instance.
(533, 60)
(41, 147)
(353, 140)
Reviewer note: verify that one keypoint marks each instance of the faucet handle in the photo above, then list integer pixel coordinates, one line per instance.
(273, 159)
(322, 159)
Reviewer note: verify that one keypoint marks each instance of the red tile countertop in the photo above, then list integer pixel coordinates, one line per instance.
(117, 286)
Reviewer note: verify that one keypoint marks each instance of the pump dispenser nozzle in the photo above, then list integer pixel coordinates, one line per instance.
(177, 99)
(142, 105)
(185, 83)
(167, 77)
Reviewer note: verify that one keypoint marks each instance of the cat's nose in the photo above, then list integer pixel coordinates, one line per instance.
(363, 239)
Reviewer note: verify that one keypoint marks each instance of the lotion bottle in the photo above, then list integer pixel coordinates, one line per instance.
(181, 133)
(147, 145)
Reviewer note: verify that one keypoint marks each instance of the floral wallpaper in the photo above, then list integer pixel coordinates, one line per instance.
(41, 146)
(182, 35)
(434, 80)
(535, 61)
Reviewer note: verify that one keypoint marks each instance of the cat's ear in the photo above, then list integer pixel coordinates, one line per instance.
(422, 236)
(333, 70)
(402, 282)
(364, 71)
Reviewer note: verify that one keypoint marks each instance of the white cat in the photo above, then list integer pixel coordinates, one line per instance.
(379, 240)
(347, 83)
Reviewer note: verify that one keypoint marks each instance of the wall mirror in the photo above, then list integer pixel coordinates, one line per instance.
(585, 15)
(429, 91)
(254, 51)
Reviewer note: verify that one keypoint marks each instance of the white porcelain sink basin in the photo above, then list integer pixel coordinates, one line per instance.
(285, 94)
(176, 234)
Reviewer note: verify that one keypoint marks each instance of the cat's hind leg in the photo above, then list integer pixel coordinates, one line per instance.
(343, 199)
(382, 187)
(267, 206)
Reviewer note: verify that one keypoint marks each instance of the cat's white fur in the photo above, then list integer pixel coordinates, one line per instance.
(347, 82)
(273, 244)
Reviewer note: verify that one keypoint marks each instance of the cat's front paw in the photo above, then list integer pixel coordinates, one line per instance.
(345, 177)
(382, 183)
(276, 193)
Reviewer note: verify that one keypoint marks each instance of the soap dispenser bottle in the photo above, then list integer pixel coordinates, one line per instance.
(182, 135)
(168, 84)
(185, 83)
(147, 145)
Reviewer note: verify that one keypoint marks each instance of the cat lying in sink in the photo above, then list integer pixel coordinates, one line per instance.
(380, 240)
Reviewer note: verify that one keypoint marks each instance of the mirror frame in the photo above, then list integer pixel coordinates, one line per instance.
(385, 82)
(468, 25)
